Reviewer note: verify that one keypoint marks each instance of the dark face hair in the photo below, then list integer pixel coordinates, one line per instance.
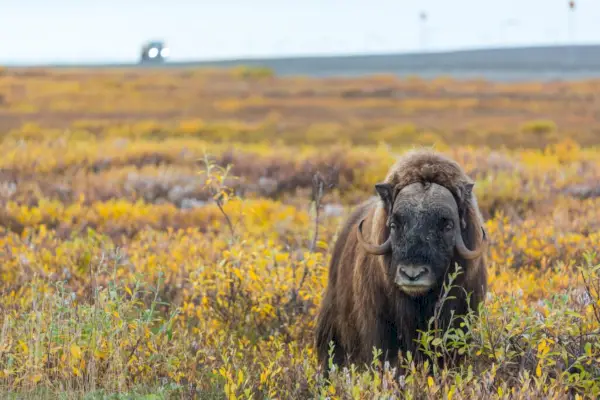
(424, 232)
(422, 228)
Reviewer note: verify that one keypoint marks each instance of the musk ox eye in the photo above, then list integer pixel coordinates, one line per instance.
(448, 225)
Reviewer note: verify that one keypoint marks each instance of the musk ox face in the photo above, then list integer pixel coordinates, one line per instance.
(424, 234)
(422, 231)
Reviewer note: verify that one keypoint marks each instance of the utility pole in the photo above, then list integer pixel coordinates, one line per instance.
(423, 30)
(570, 29)
(571, 22)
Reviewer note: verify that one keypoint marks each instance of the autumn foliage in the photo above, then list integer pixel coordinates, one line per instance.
(168, 231)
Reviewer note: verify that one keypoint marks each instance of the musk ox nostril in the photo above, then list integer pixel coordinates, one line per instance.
(413, 274)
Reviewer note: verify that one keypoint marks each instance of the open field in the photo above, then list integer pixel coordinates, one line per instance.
(133, 261)
(251, 105)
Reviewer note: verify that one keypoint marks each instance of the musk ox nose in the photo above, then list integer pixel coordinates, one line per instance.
(413, 273)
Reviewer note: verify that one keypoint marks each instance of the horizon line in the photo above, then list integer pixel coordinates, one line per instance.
(302, 56)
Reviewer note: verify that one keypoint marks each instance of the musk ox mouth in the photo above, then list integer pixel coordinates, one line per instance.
(414, 280)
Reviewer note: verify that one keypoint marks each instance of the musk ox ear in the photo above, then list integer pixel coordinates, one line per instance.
(385, 192)
(467, 193)
(468, 190)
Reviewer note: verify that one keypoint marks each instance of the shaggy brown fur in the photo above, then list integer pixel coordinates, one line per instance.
(360, 310)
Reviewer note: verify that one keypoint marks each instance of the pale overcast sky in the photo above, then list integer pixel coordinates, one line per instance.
(113, 30)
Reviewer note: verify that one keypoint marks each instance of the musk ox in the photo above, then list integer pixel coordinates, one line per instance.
(391, 259)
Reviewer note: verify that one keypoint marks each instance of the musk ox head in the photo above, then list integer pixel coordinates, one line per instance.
(425, 223)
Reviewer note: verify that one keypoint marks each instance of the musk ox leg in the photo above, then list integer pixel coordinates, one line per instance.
(325, 334)
(387, 342)
(461, 309)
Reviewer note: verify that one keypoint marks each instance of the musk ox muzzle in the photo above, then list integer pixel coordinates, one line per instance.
(414, 279)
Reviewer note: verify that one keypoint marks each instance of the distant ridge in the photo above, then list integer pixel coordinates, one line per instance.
(517, 63)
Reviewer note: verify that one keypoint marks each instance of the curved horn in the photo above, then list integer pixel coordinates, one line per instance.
(462, 248)
(371, 248)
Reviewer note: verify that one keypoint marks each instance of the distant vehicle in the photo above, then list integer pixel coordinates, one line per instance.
(154, 52)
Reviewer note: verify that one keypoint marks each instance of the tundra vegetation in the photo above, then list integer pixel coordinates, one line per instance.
(167, 233)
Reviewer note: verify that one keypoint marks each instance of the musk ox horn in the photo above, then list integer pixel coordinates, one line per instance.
(371, 248)
(462, 248)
